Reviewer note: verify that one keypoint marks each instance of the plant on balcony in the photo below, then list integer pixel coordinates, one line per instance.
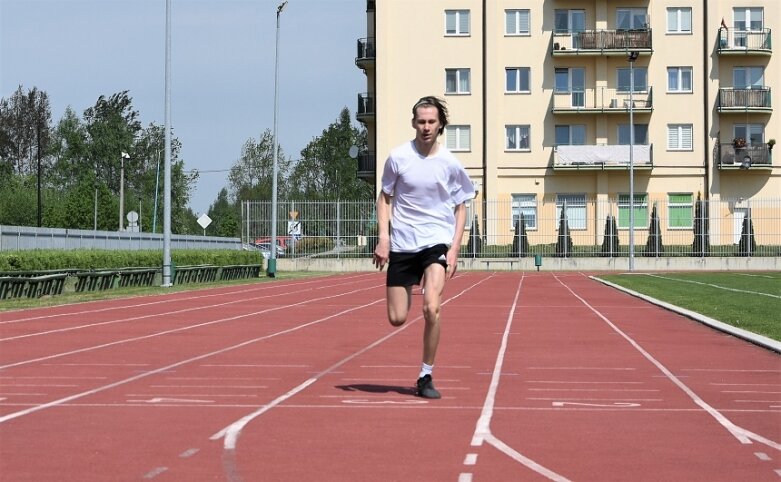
(610, 240)
(701, 243)
(770, 144)
(739, 142)
(520, 239)
(653, 245)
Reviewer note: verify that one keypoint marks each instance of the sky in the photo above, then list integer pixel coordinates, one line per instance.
(222, 68)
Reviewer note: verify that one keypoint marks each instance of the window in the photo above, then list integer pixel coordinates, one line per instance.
(458, 138)
(625, 77)
(517, 22)
(641, 134)
(679, 79)
(571, 80)
(517, 138)
(631, 19)
(576, 210)
(748, 77)
(679, 211)
(641, 210)
(518, 79)
(679, 137)
(746, 20)
(456, 22)
(526, 204)
(457, 81)
(574, 135)
(679, 20)
(753, 133)
(569, 21)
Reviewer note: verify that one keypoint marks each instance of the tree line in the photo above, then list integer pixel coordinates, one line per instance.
(66, 174)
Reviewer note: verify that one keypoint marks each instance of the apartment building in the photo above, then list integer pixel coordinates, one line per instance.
(542, 94)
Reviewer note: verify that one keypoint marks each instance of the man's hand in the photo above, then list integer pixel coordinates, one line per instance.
(381, 253)
(452, 261)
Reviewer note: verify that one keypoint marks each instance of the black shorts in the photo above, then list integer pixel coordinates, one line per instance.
(406, 269)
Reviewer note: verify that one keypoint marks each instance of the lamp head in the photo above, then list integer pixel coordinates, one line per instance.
(281, 7)
(125, 155)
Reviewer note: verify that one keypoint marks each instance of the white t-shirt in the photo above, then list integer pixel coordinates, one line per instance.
(425, 192)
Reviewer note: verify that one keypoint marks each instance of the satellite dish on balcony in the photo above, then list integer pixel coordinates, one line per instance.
(353, 152)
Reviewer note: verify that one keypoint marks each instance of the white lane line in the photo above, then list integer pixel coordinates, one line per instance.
(52, 378)
(483, 427)
(189, 453)
(221, 351)
(740, 433)
(762, 456)
(6, 385)
(470, 459)
(749, 391)
(582, 368)
(583, 382)
(592, 390)
(155, 472)
(183, 328)
(209, 386)
(464, 477)
(727, 288)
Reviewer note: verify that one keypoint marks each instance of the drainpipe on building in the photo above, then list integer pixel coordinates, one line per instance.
(485, 122)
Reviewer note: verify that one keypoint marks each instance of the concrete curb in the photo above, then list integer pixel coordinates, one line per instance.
(760, 340)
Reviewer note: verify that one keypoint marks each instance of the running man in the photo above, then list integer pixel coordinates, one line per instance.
(421, 216)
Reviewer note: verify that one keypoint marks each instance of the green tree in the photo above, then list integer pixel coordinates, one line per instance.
(225, 217)
(325, 170)
(251, 177)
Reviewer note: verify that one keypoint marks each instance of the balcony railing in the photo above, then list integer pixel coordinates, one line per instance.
(602, 42)
(366, 52)
(745, 42)
(602, 100)
(603, 157)
(746, 157)
(365, 107)
(744, 100)
(367, 166)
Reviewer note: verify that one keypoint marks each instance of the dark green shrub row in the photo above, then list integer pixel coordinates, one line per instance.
(36, 260)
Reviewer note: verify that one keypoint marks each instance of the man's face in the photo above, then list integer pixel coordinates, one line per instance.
(426, 124)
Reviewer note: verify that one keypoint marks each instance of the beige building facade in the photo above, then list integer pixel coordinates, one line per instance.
(542, 94)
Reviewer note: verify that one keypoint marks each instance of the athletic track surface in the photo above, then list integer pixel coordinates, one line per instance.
(544, 376)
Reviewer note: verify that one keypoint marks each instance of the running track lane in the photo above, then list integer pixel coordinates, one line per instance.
(544, 377)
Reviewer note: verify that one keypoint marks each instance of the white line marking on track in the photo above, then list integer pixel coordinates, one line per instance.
(189, 453)
(727, 288)
(762, 456)
(155, 472)
(209, 386)
(470, 459)
(364, 401)
(740, 433)
(592, 390)
(604, 405)
(583, 382)
(464, 477)
(778, 471)
(580, 368)
(170, 400)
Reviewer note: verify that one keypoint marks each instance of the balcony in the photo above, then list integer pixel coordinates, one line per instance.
(602, 157)
(602, 42)
(367, 166)
(602, 100)
(748, 157)
(756, 100)
(365, 111)
(732, 42)
(366, 53)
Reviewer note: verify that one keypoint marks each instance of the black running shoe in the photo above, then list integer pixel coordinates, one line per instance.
(425, 388)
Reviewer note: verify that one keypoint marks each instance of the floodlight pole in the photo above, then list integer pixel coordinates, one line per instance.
(632, 58)
(167, 274)
(124, 156)
(271, 269)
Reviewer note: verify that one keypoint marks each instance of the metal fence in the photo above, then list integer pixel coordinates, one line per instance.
(560, 226)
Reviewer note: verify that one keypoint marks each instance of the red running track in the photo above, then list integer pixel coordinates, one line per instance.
(544, 377)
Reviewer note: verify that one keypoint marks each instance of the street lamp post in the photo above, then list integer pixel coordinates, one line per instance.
(124, 156)
(632, 58)
(271, 269)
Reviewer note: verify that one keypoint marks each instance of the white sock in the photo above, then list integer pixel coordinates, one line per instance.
(425, 370)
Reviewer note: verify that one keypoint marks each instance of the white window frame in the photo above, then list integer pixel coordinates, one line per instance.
(460, 23)
(633, 13)
(576, 210)
(521, 132)
(514, 17)
(675, 137)
(571, 128)
(678, 72)
(525, 203)
(746, 73)
(753, 133)
(574, 16)
(518, 73)
(460, 76)
(680, 205)
(634, 71)
(676, 17)
(577, 92)
(458, 138)
(641, 210)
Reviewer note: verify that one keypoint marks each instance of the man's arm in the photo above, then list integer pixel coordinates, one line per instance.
(382, 251)
(455, 247)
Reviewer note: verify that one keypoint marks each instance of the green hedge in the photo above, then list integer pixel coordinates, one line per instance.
(53, 259)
